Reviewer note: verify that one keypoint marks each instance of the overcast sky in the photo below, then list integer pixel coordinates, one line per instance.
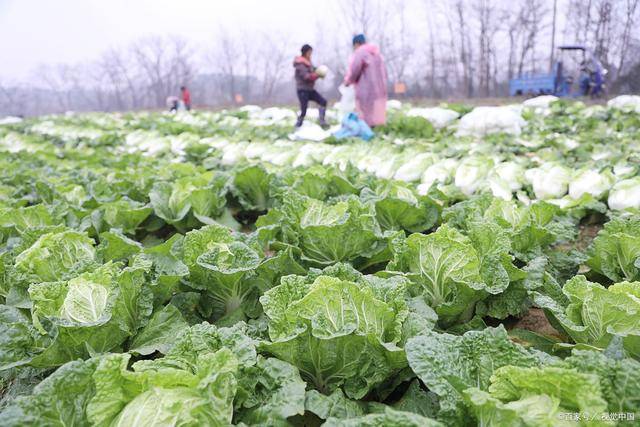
(34, 32)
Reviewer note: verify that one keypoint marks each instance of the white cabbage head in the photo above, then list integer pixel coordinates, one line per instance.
(625, 194)
(414, 168)
(439, 117)
(486, 120)
(592, 182)
(549, 181)
(625, 102)
(471, 174)
(542, 101)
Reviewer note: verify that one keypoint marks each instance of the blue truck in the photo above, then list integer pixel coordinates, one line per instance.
(560, 81)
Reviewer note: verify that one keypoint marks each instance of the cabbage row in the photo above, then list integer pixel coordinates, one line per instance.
(467, 267)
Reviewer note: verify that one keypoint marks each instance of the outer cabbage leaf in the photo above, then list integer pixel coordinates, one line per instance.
(335, 405)
(269, 392)
(251, 187)
(19, 339)
(619, 378)
(160, 333)
(115, 246)
(449, 364)
(538, 396)
(537, 410)
(164, 268)
(70, 387)
(388, 418)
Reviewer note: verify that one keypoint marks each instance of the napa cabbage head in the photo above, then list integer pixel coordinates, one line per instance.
(592, 314)
(471, 174)
(92, 313)
(506, 178)
(413, 169)
(451, 271)
(589, 181)
(190, 200)
(341, 331)
(615, 251)
(125, 214)
(399, 207)
(55, 256)
(625, 195)
(327, 232)
(232, 273)
(438, 173)
(549, 181)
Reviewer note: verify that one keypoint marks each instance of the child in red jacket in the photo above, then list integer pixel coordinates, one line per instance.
(186, 97)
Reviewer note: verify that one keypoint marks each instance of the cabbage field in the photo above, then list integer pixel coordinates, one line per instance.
(468, 266)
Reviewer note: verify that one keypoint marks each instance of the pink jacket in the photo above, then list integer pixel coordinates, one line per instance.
(368, 73)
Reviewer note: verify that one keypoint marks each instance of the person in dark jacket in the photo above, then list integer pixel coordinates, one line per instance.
(306, 77)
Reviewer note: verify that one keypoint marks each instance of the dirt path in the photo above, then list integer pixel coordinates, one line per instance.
(537, 322)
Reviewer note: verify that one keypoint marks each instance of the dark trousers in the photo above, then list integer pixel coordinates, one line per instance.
(304, 96)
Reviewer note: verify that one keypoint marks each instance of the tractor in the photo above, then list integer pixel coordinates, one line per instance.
(586, 71)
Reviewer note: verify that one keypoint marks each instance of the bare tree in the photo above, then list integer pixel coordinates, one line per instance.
(630, 10)
(466, 52)
(165, 63)
(120, 70)
(553, 34)
(272, 62)
(11, 101)
(602, 32)
(224, 60)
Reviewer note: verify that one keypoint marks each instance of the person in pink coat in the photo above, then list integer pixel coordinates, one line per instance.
(368, 73)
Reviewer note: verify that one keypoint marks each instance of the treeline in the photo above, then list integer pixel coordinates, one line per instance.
(433, 48)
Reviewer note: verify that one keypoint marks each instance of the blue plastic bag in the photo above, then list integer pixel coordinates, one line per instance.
(353, 126)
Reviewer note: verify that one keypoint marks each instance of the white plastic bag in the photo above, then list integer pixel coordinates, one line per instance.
(347, 102)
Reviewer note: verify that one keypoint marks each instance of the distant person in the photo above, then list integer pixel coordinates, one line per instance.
(585, 79)
(368, 73)
(186, 97)
(172, 103)
(597, 84)
(306, 77)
